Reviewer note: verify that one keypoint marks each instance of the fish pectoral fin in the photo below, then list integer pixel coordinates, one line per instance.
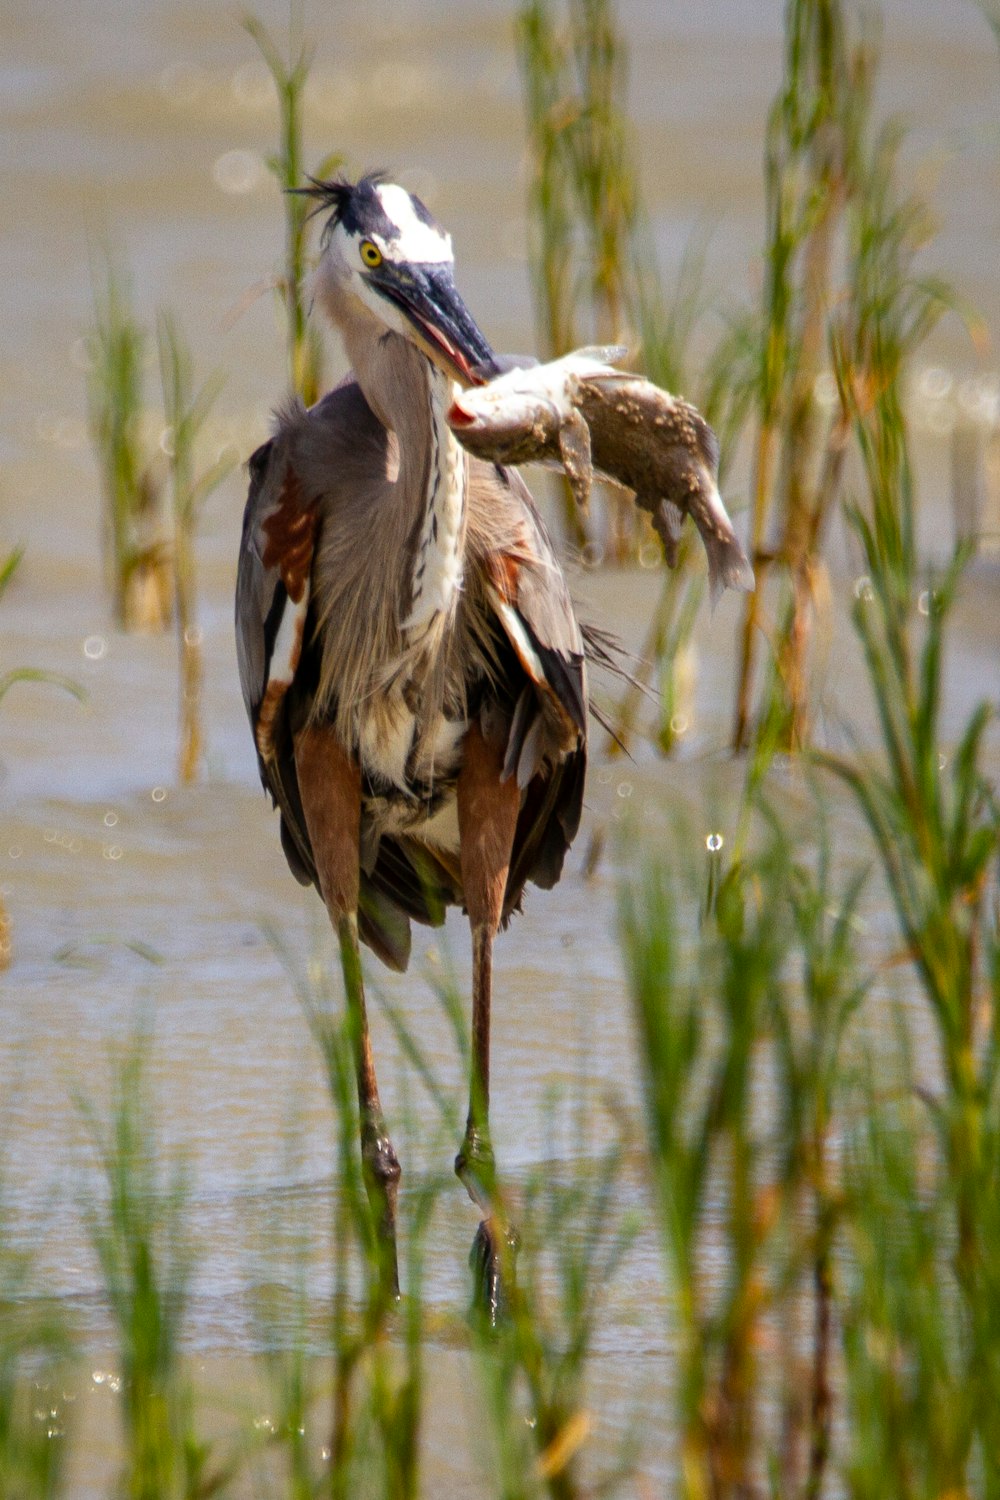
(574, 451)
(668, 522)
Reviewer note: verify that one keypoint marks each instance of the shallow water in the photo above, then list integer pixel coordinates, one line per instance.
(132, 899)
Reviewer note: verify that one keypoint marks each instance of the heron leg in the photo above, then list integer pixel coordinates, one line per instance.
(488, 808)
(330, 787)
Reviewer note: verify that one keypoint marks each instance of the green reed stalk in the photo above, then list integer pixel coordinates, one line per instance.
(36, 1355)
(589, 267)
(910, 1383)
(810, 1029)
(829, 178)
(376, 1398)
(305, 351)
(135, 553)
(570, 1231)
(712, 1024)
(934, 817)
(592, 256)
(935, 822)
(186, 411)
(542, 58)
(139, 1231)
(805, 189)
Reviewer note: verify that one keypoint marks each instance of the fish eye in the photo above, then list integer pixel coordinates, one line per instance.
(370, 254)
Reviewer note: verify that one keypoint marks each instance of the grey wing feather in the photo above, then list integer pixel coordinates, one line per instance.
(261, 607)
(255, 590)
(310, 453)
(547, 737)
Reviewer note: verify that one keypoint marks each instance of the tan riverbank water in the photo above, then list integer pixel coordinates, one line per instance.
(132, 899)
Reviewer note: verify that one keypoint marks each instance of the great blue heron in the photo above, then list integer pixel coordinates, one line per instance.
(410, 660)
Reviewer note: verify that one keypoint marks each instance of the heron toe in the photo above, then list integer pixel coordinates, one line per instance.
(492, 1262)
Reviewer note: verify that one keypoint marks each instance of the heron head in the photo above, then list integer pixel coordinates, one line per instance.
(383, 246)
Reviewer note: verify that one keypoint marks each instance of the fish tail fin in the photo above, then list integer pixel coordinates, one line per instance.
(728, 565)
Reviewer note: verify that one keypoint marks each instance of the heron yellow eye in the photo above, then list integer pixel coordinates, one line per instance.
(370, 254)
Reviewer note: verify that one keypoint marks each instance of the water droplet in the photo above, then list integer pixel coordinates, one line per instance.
(159, 794)
(863, 588)
(50, 835)
(112, 851)
(15, 851)
(714, 843)
(592, 555)
(604, 776)
(95, 647)
(238, 172)
(979, 399)
(942, 762)
(650, 555)
(924, 602)
(193, 636)
(110, 819)
(935, 383)
(624, 788)
(678, 724)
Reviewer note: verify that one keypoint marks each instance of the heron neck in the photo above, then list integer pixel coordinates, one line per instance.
(410, 395)
(439, 537)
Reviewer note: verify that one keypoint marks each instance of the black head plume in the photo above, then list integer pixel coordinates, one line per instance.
(348, 203)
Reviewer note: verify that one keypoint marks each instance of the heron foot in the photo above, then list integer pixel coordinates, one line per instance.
(382, 1172)
(492, 1262)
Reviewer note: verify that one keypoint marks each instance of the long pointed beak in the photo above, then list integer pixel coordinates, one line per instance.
(430, 300)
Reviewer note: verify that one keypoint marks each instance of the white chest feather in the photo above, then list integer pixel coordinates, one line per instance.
(388, 734)
(437, 569)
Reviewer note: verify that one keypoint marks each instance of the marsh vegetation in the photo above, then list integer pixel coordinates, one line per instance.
(802, 1175)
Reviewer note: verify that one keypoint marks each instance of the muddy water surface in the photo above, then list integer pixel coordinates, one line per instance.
(134, 901)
